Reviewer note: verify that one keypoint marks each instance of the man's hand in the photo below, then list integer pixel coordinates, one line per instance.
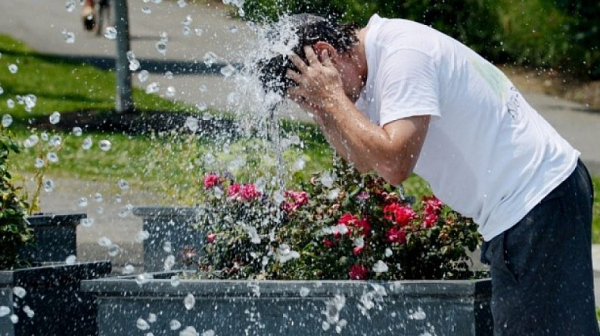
(319, 82)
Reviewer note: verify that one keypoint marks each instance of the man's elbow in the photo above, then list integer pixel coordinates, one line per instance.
(394, 174)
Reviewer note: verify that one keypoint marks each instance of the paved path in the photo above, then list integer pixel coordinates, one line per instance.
(40, 23)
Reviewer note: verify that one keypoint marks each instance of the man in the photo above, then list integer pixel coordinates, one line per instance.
(399, 97)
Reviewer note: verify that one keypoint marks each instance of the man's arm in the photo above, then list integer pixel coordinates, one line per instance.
(392, 150)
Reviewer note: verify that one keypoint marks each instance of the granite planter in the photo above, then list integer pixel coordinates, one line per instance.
(55, 237)
(167, 226)
(52, 304)
(291, 307)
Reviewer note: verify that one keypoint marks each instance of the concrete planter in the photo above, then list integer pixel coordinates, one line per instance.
(52, 304)
(169, 226)
(55, 237)
(291, 307)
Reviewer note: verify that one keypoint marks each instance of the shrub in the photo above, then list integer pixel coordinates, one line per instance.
(14, 231)
(341, 225)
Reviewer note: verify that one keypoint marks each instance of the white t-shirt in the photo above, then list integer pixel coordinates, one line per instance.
(488, 154)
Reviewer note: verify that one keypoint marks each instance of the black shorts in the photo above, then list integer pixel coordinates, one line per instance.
(542, 276)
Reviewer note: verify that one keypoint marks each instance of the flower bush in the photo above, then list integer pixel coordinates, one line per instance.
(340, 225)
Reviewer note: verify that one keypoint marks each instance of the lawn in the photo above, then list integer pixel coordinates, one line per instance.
(169, 163)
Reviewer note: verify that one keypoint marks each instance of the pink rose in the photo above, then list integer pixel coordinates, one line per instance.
(396, 235)
(234, 189)
(358, 250)
(211, 180)
(249, 192)
(430, 220)
(328, 242)
(211, 238)
(358, 272)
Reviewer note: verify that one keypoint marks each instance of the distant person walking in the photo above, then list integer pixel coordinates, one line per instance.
(397, 96)
(95, 14)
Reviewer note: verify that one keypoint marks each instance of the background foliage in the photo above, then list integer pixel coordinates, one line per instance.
(559, 34)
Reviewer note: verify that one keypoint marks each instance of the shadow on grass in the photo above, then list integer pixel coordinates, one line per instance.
(150, 65)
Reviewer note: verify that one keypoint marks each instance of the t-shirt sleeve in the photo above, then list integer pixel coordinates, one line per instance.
(409, 86)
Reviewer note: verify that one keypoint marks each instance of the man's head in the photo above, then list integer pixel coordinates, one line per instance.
(309, 30)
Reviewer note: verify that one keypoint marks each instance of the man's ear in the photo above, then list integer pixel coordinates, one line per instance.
(321, 46)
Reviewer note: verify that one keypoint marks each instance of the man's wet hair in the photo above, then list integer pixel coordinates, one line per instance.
(309, 30)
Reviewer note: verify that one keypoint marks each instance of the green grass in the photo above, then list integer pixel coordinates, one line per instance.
(61, 85)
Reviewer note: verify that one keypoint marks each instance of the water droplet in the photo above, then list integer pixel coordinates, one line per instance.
(87, 222)
(169, 262)
(388, 252)
(98, 197)
(104, 242)
(170, 92)
(31, 141)
(4, 311)
(188, 21)
(30, 101)
(82, 202)
(175, 281)
(304, 291)
(13, 68)
(44, 136)
(143, 278)
(118, 198)
(110, 33)
(181, 3)
(128, 269)
(55, 118)
(327, 180)
(123, 185)
(142, 324)
(174, 324)
(104, 145)
(380, 267)
(114, 250)
(87, 143)
(143, 76)
(186, 31)
(167, 247)
(14, 318)
(70, 6)
(55, 141)
(233, 29)
(168, 75)
(77, 131)
(134, 65)
(210, 58)
(201, 107)
(209, 332)
(10, 103)
(48, 185)
(52, 157)
(19, 291)
(198, 31)
(161, 47)
(191, 123)
(151, 318)
(7, 120)
(189, 331)
(153, 87)
(228, 70)
(71, 260)
(418, 315)
(325, 326)
(146, 10)
(141, 236)
(68, 36)
(28, 311)
(39, 163)
(189, 302)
